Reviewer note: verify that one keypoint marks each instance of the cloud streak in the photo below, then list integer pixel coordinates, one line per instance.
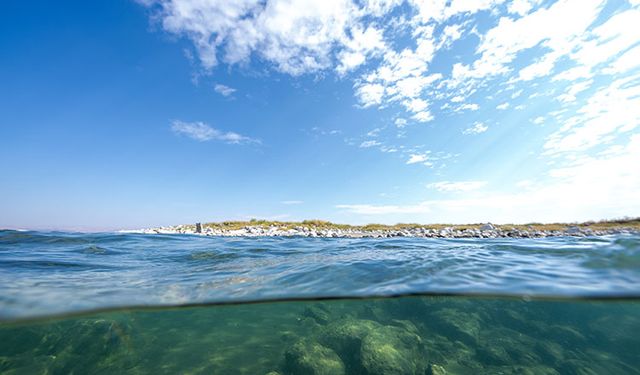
(202, 132)
(477, 128)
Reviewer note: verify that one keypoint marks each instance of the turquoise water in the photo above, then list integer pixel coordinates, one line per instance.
(123, 303)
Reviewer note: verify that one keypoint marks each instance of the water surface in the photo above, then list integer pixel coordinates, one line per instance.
(47, 273)
(152, 304)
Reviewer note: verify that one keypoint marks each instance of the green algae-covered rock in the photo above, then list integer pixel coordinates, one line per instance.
(370, 348)
(310, 358)
(522, 370)
(318, 313)
(392, 350)
(345, 336)
(503, 346)
(493, 355)
(434, 369)
(457, 325)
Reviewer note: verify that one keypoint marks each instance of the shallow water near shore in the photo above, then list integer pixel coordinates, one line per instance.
(409, 335)
(142, 304)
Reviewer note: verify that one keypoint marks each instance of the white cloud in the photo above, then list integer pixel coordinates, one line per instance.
(450, 34)
(447, 186)
(538, 120)
(416, 105)
(362, 43)
(417, 158)
(574, 73)
(203, 132)
(441, 10)
(400, 122)
(424, 116)
(477, 128)
(402, 76)
(353, 38)
(609, 185)
(467, 106)
(367, 144)
(297, 36)
(540, 68)
(370, 94)
(557, 27)
(521, 7)
(628, 61)
(224, 90)
(573, 90)
(610, 111)
(609, 39)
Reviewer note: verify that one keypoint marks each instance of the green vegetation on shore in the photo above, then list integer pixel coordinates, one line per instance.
(631, 223)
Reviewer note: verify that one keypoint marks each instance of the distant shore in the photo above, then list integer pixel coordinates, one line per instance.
(318, 228)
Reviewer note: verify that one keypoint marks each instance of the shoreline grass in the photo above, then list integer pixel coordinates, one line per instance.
(630, 223)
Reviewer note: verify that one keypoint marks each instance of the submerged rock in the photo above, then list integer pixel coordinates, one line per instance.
(434, 369)
(392, 350)
(457, 325)
(533, 370)
(318, 314)
(345, 336)
(310, 358)
(493, 355)
(370, 348)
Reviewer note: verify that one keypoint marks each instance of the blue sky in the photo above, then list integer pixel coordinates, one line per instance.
(128, 114)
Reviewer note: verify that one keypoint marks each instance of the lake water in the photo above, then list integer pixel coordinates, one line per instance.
(143, 304)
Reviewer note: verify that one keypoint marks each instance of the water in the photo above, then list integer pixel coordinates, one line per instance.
(123, 303)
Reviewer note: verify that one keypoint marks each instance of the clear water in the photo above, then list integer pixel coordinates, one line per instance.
(108, 303)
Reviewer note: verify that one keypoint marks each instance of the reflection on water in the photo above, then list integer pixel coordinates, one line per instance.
(409, 335)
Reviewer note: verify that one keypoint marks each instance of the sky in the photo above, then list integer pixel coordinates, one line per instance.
(128, 114)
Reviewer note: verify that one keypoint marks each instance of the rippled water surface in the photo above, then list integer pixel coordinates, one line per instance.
(117, 303)
(45, 273)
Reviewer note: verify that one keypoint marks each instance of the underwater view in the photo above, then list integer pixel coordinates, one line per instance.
(145, 304)
(408, 335)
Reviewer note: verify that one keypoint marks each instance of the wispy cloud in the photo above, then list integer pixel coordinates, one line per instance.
(606, 182)
(203, 132)
(224, 90)
(477, 128)
(447, 186)
(538, 120)
(367, 144)
(586, 64)
(467, 106)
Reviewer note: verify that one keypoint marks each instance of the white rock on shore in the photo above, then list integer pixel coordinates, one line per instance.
(485, 231)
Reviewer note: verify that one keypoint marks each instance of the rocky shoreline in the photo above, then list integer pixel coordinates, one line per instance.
(484, 231)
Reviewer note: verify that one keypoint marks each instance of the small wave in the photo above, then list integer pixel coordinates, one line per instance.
(55, 272)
